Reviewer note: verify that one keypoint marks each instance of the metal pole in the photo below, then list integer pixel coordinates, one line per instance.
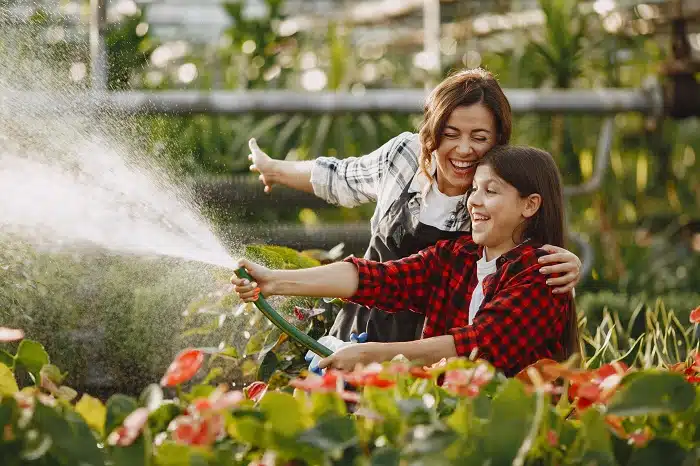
(599, 102)
(431, 38)
(98, 49)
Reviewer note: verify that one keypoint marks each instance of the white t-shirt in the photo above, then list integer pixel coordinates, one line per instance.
(439, 210)
(483, 270)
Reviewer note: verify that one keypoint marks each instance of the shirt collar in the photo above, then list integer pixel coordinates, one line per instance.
(420, 182)
(512, 254)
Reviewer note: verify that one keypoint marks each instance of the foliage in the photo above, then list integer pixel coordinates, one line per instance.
(455, 412)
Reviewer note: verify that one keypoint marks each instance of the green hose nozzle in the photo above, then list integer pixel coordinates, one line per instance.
(293, 332)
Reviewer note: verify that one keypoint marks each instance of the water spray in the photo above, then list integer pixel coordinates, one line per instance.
(281, 323)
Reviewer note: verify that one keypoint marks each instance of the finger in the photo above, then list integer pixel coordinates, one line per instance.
(565, 280)
(250, 157)
(326, 362)
(253, 144)
(552, 249)
(253, 168)
(268, 189)
(555, 257)
(564, 289)
(559, 268)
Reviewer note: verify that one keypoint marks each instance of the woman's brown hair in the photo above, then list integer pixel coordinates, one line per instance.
(463, 88)
(533, 171)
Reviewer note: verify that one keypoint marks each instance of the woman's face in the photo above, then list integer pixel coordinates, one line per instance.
(470, 132)
(498, 212)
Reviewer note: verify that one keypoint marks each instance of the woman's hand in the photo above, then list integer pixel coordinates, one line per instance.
(348, 357)
(263, 281)
(261, 163)
(565, 263)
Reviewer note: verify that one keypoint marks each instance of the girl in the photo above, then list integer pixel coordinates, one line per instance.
(418, 182)
(480, 295)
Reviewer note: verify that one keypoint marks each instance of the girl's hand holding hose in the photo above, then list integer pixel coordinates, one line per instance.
(263, 281)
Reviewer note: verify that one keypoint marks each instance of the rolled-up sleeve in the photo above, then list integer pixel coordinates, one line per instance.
(518, 320)
(355, 180)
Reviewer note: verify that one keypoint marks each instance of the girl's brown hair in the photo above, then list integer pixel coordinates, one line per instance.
(463, 88)
(533, 171)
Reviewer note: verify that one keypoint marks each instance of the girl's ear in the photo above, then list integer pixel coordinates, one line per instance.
(532, 205)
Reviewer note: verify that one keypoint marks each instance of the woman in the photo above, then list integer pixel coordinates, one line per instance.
(418, 182)
(482, 295)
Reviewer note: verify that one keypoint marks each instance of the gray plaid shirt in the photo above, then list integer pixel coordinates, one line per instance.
(380, 177)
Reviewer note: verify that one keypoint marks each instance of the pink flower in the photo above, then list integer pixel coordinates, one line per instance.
(468, 382)
(130, 429)
(10, 334)
(255, 391)
(330, 381)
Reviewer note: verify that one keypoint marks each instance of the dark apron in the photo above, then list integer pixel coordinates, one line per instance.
(399, 234)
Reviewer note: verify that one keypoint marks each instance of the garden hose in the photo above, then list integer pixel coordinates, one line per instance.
(281, 323)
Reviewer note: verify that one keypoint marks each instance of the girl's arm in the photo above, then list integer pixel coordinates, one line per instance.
(401, 284)
(338, 279)
(427, 351)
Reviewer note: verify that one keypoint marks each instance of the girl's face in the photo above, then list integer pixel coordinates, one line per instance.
(498, 212)
(469, 133)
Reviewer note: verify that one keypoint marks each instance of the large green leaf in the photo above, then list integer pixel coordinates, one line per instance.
(8, 384)
(662, 451)
(331, 434)
(653, 392)
(386, 456)
(72, 440)
(136, 454)
(512, 413)
(283, 413)
(118, 408)
(32, 356)
(596, 439)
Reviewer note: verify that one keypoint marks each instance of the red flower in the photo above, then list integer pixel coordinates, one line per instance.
(183, 368)
(193, 430)
(369, 376)
(590, 387)
(255, 391)
(552, 438)
(695, 316)
(10, 334)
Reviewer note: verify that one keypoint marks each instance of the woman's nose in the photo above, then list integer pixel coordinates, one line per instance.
(463, 147)
(474, 198)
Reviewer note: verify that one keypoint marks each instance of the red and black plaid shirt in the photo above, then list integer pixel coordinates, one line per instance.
(520, 320)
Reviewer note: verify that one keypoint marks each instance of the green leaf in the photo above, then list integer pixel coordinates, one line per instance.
(33, 357)
(512, 412)
(429, 440)
(118, 408)
(135, 454)
(385, 456)
(662, 451)
(8, 384)
(283, 413)
(159, 419)
(7, 359)
(652, 392)
(71, 438)
(93, 411)
(596, 439)
(331, 434)
(267, 366)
